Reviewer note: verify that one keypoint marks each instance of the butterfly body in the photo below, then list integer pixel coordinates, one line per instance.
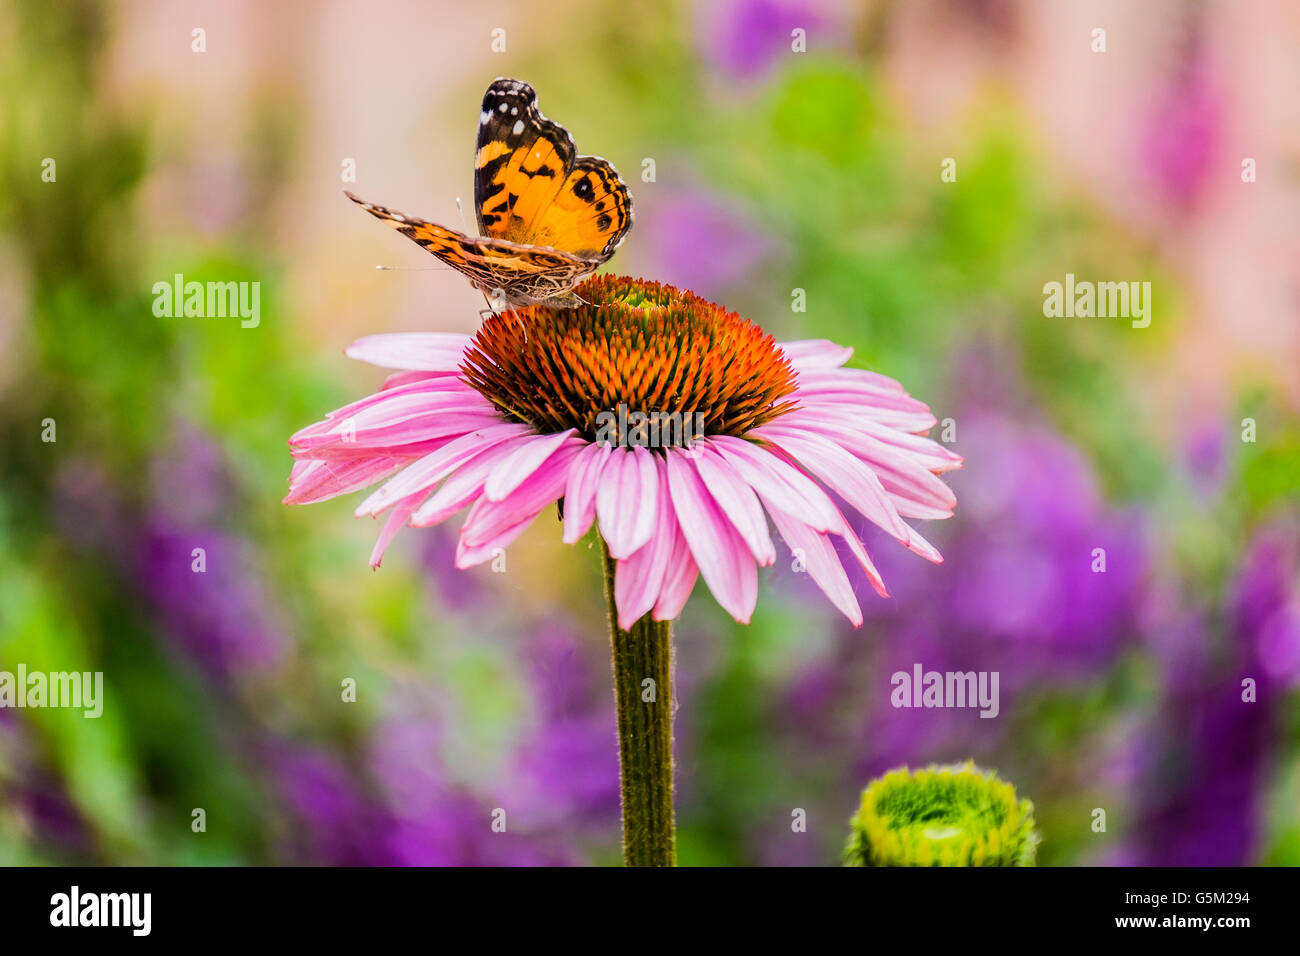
(548, 217)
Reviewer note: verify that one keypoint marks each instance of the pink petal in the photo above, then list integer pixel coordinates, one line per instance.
(439, 385)
(639, 579)
(679, 578)
(821, 561)
(736, 499)
(425, 351)
(843, 380)
(860, 553)
(914, 489)
(468, 557)
(851, 479)
(488, 519)
(724, 559)
(462, 487)
(779, 482)
(625, 499)
(401, 416)
(815, 353)
(398, 379)
(922, 547)
(526, 458)
(432, 468)
(392, 524)
(932, 456)
(312, 481)
(580, 492)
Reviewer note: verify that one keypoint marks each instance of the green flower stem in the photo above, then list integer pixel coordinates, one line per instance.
(645, 732)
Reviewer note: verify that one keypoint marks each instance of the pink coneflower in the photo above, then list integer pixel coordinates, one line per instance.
(506, 423)
(674, 426)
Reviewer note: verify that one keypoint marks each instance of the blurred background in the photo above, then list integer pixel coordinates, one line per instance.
(756, 169)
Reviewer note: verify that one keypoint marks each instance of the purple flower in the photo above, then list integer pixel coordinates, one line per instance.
(455, 589)
(189, 481)
(52, 821)
(745, 37)
(1042, 579)
(337, 823)
(1201, 791)
(567, 768)
(1184, 129)
(1205, 455)
(1021, 593)
(700, 242)
(211, 601)
(438, 821)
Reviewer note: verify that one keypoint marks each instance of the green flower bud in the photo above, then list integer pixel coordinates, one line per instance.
(957, 815)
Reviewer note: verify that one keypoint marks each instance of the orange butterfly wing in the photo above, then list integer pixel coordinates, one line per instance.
(531, 187)
(488, 263)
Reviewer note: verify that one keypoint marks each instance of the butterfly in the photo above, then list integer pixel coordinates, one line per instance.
(548, 217)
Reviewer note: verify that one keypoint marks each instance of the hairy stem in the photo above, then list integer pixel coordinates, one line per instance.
(643, 692)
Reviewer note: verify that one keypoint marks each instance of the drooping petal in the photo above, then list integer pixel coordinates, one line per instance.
(915, 490)
(488, 519)
(467, 556)
(392, 524)
(821, 561)
(433, 467)
(319, 480)
(639, 579)
(851, 479)
(462, 487)
(778, 481)
(679, 577)
(580, 491)
(864, 561)
(405, 415)
(625, 496)
(522, 462)
(723, 558)
(736, 499)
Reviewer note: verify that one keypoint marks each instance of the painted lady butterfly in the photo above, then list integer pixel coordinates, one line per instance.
(548, 217)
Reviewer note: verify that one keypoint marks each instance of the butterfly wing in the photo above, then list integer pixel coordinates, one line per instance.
(531, 186)
(523, 273)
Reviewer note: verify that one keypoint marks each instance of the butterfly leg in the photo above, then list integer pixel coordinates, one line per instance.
(497, 305)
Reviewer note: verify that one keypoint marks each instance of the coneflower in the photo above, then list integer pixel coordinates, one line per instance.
(678, 429)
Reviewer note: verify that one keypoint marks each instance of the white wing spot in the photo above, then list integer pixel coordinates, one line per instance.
(483, 117)
(518, 127)
(514, 111)
(504, 107)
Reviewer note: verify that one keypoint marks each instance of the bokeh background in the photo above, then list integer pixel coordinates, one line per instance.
(774, 170)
